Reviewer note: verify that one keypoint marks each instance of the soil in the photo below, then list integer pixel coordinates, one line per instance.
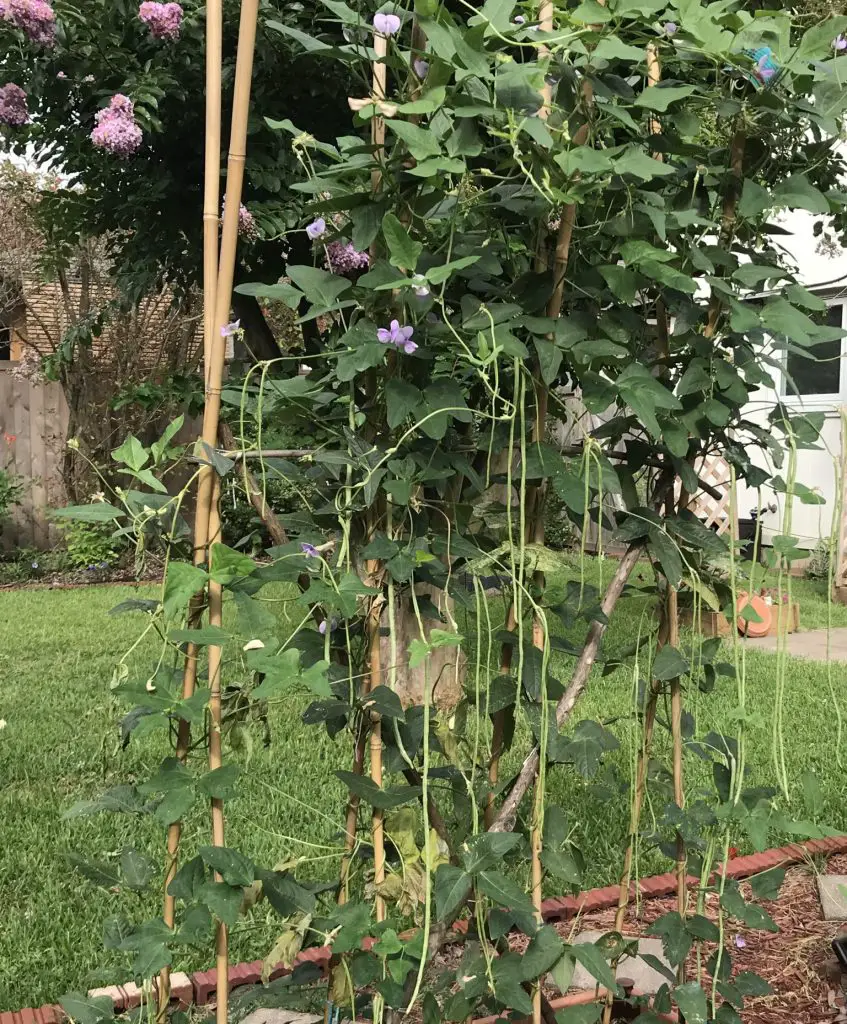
(797, 962)
(69, 579)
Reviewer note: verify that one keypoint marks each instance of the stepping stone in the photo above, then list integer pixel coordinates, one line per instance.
(833, 894)
(276, 1016)
(645, 978)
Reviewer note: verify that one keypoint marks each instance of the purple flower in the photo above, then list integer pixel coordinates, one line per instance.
(228, 330)
(116, 130)
(343, 258)
(386, 24)
(839, 43)
(61, 75)
(333, 624)
(670, 28)
(35, 565)
(519, 19)
(316, 228)
(35, 18)
(310, 551)
(394, 334)
(163, 20)
(13, 109)
(740, 941)
(421, 67)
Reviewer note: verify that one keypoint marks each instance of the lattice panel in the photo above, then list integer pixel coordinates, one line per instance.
(716, 513)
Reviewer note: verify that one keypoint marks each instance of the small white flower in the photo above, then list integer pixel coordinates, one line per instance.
(253, 645)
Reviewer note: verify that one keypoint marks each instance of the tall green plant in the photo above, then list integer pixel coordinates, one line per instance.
(431, 279)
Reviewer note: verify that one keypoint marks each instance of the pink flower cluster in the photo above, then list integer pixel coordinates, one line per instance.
(35, 18)
(13, 109)
(116, 130)
(163, 20)
(343, 258)
(246, 222)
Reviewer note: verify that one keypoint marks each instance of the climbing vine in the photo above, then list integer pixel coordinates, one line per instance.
(540, 217)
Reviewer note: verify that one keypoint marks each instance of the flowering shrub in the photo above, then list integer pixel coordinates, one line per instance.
(35, 18)
(345, 258)
(163, 20)
(116, 130)
(13, 109)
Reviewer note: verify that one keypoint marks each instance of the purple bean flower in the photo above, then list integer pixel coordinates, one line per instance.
(740, 941)
(519, 19)
(839, 43)
(421, 67)
(394, 334)
(13, 108)
(310, 551)
(386, 24)
(332, 626)
(316, 228)
(670, 28)
(765, 68)
(228, 330)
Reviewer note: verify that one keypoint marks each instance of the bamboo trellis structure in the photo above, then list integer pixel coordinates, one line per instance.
(218, 274)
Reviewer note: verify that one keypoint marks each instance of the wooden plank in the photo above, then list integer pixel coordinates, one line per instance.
(7, 451)
(56, 427)
(40, 464)
(23, 458)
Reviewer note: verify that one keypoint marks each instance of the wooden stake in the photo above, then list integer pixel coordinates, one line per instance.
(211, 191)
(561, 255)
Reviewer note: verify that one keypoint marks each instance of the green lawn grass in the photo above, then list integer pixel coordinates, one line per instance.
(61, 744)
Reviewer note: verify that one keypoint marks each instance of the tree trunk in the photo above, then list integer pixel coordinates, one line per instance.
(443, 669)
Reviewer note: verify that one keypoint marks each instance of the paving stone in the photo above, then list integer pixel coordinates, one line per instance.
(645, 978)
(833, 894)
(277, 1016)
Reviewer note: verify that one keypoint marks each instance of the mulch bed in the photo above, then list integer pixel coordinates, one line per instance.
(797, 961)
(73, 579)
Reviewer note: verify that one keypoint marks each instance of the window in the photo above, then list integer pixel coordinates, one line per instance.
(817, 369)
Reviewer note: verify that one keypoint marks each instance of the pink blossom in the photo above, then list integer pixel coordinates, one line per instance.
(13, 110)
(246, 222)
(344, 258)
(163, 20)
(35, 18)
(116, 130)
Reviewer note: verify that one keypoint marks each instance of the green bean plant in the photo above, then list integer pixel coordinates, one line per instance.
(539, 217)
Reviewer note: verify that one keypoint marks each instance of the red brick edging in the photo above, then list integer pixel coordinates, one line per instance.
(199, 988)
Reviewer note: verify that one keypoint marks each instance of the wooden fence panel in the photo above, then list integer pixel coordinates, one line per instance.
(36, 416)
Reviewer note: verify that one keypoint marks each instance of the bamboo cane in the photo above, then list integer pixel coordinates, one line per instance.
(545, 17)
(668, 634)
(211, 190)
(209, 482)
